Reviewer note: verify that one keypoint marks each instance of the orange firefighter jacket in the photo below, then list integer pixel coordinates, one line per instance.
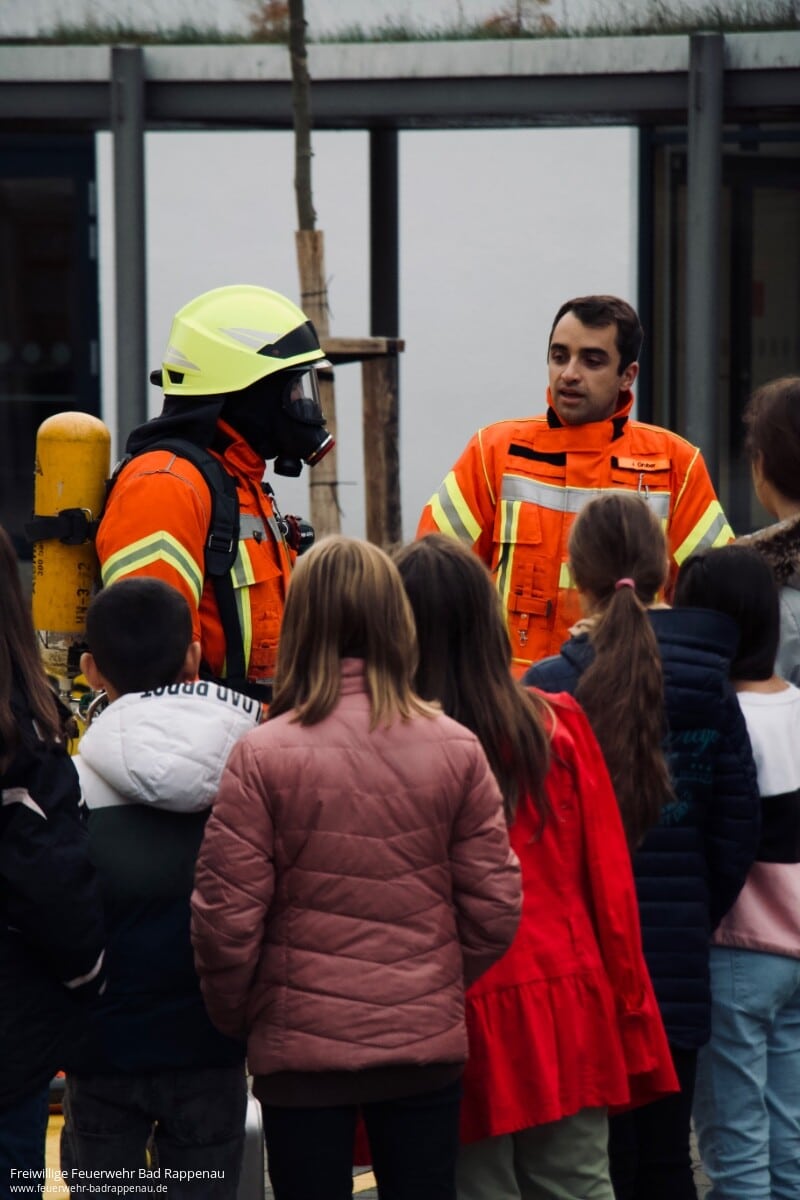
(157, 522)
(515, 491)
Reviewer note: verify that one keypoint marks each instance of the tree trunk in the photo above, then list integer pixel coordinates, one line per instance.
(310, 245)
(301, 110)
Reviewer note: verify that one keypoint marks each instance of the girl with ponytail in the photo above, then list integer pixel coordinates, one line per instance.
(612, 541)
(654, 684)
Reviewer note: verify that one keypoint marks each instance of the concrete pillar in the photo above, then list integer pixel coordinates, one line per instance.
(127, 124)
(704, 194)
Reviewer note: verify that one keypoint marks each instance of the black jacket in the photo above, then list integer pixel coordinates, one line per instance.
(150, 767)
(689, 868)
(51, 923)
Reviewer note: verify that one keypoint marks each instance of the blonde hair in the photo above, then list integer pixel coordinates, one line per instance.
(346, 600)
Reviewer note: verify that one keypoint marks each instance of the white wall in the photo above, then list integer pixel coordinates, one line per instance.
(498, 227)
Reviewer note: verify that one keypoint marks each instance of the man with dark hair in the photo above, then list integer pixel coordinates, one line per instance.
(514, 492)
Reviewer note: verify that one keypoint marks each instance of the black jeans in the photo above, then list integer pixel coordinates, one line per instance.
(23, 1129)
(196, 1119)
(649, 1147)
(414, 1142)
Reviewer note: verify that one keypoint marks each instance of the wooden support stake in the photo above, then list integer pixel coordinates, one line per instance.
(382, 450)
(324, 478)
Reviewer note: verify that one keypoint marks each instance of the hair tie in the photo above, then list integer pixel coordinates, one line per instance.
(626, 582)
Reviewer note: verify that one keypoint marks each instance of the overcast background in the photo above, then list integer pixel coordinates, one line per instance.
(498, 227)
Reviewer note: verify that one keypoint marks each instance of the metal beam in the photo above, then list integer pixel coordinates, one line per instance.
(704, 193)
(424, 103)
(529, 82)
(127, 123)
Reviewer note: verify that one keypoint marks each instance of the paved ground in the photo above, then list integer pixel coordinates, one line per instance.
(363, 1186)
(363, 1180)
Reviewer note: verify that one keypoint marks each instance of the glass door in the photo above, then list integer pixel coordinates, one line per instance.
(49, 359)
(765, 317)
(759, 223)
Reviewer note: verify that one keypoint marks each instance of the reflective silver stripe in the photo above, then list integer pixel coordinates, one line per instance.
(252, 527)
(711, 530)
(275, 529)
(573, 499)
(718, 533)
(253, 338)
(456, 512)
(79, 980)
(174, 358)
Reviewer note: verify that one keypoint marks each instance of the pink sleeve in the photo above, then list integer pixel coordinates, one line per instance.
(487, 882)
(234, 884)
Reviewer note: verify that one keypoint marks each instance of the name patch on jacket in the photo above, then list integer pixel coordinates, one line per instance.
(641, 464)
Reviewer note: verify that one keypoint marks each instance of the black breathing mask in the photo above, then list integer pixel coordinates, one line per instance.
(281, 418)
(300, 426)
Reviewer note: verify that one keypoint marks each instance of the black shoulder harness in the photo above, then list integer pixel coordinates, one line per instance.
(221, 544)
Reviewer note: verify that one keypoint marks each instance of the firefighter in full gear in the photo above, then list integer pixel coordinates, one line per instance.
(240, 388)
(514, 492)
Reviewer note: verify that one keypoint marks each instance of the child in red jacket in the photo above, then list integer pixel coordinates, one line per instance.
(565, 1025)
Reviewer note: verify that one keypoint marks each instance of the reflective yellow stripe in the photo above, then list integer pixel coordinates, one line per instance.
(711, 530)
(242, 571)
(438, 514)
(157, 547)
(565, 579)
(509, 521)
(243, 576)
(452, 513)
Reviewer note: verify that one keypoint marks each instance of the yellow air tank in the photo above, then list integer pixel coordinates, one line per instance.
(72, 466)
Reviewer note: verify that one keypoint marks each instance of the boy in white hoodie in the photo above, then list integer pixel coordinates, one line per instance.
(154, 1067)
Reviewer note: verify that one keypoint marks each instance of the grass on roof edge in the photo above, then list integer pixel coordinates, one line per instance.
(720, 16)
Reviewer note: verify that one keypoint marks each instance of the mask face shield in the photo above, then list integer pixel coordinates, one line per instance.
(304, 436)
(281, 417)
(301, 399)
